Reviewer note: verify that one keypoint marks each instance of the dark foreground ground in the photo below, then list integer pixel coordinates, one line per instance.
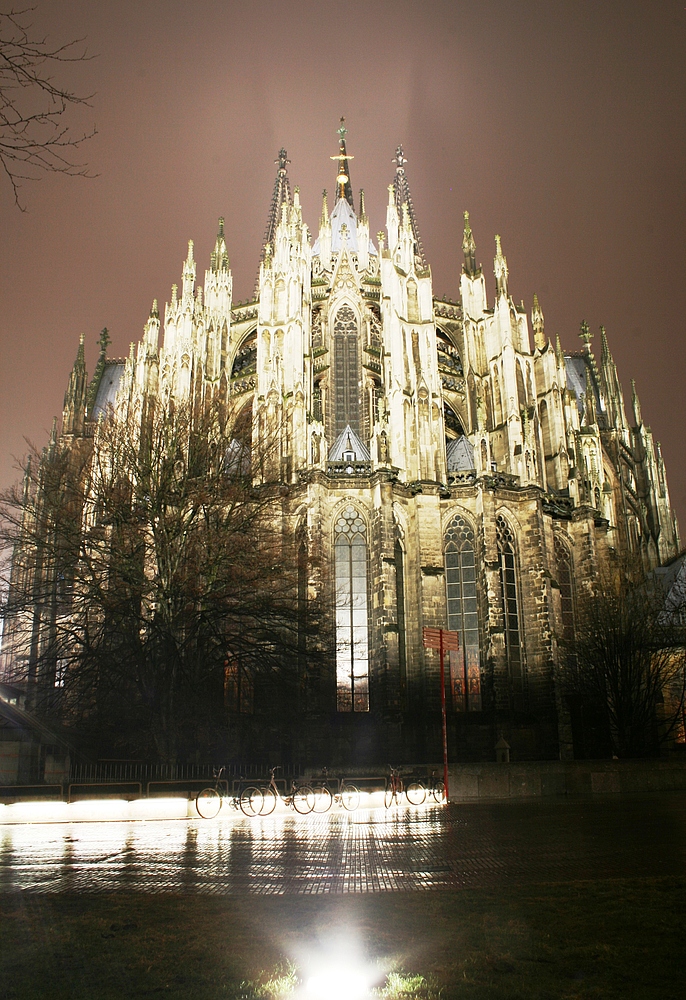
(568, 915)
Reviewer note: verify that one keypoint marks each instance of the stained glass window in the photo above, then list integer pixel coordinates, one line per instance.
(463, 616)
(511, 616)
(346, 371)
(352, 635)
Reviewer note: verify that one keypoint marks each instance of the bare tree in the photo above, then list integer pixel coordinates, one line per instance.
(34, 138)
(625, 667)
(149, 576)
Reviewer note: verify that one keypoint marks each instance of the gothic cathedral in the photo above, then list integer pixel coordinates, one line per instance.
(439, 468)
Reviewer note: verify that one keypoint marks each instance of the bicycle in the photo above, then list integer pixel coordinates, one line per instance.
(415, 792)
(300, 797)
(437, 788)
(210, 800)
(347, 796)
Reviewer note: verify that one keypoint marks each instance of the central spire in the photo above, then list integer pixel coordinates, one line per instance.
(343, 186)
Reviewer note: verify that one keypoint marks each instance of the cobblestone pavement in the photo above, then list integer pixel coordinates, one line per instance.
(491, 845)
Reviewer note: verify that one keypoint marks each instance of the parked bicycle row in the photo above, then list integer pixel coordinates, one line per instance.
(317, 796)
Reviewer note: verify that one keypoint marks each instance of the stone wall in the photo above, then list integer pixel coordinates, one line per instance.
(537, 779)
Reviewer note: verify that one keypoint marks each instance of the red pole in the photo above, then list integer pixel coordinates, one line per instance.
(444, 724)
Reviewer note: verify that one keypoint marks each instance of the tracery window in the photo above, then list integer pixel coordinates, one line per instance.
(352, 630)
(564, 578)
(511, 614)
(400, 601)
(346, 371)
(463, 617)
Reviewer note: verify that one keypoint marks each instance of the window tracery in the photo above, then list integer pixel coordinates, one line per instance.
(511, 613)
(463, 617)
(352, 630)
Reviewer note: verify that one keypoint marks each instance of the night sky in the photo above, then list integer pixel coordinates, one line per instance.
(560, 126)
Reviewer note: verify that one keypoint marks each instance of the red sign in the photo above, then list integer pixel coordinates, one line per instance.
(432, 639)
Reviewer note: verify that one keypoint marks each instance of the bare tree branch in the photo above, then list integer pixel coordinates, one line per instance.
(33, 137)
(147, 573)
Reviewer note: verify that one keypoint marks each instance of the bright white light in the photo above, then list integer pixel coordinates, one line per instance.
(339, 984)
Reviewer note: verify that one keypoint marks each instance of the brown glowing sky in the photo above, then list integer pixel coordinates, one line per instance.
(560, 126)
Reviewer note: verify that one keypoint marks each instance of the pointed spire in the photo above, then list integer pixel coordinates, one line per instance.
(363, 211)
(154, 312)
(324, 217)
(605, 355)
(281, 196)
(538, 324)
(468, 249)
(559, 353)
(343, 186)
(636, 405)
(74, 412)
(219, 258)
(402, 197)
(500, 269)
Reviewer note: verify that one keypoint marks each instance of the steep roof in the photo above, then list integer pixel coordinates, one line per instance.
(346, 441)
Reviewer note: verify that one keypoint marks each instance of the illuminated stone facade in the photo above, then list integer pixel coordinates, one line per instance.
(441, 470)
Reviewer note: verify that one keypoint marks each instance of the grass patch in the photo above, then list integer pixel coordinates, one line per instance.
(575, 941)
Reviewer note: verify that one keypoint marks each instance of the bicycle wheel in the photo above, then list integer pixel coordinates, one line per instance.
(323, 799)
(415, 792)
(268, 801)
(303, 800)
(208, 803)
(350, 796)
(438, 791)
(250, 801)
(390, 795)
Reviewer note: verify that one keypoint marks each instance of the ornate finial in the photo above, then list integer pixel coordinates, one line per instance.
(381, 237)
(221, 226)
(538, 323)
(342, 130)
(558, 349)
(363, 213)
(604, 346)
(282, 160)
(154, 312)
(268, 255)
(105, 339)
(500, 268)
(189, 259)
(585, 334)
(468, 247)
(175, 289)
(399, 159)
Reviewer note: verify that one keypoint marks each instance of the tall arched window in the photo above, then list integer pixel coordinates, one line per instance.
(521, 391)
(545, 429)
(511, 614)
(460, 575)
(346, 372)
(400, 600)
(563, 560)
(352, 630)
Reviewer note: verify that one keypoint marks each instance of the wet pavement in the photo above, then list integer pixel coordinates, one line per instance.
(492, 845)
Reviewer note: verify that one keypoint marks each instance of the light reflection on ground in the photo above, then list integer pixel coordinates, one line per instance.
(369, 851)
